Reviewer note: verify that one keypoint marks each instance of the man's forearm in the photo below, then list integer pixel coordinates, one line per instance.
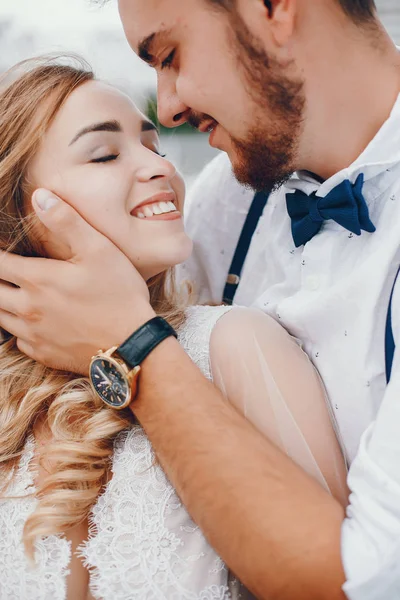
(274, 526)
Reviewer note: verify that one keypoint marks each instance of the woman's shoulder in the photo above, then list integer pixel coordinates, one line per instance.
(243, 327)
(203, 316)
(195, 333)
(207, 326)
(206, 320)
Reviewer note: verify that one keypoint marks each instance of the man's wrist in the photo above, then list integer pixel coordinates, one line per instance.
(138, 317)
(144, 340)
(119, 365)
(153, 370)
(122, 329)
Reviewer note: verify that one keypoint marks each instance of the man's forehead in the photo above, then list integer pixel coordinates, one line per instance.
(144, 18)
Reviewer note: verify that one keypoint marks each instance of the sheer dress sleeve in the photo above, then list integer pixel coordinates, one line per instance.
(264, 372)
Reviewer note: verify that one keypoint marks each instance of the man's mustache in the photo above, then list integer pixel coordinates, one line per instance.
(197, 119)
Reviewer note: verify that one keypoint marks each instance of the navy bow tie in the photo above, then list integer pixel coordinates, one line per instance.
(345, 204)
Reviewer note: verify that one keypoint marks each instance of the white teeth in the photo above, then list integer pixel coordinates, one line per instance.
(157, 209)
(147, 211)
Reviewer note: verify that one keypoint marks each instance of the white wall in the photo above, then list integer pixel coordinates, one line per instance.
(389, 11)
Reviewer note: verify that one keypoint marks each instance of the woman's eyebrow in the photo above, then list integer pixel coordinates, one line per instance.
(148, 126)
(113, 126)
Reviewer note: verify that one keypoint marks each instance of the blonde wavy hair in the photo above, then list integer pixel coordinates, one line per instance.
(82, 429)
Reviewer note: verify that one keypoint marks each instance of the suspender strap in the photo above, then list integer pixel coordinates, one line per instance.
(232, 282)
(235, 270)
(389, 339)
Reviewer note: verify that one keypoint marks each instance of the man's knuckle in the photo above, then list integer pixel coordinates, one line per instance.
(24, 347)
(30, 313)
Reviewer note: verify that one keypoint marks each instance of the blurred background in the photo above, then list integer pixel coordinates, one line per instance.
(31, 27)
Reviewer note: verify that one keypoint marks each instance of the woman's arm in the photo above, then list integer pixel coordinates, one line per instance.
(265, 374)
(273, 524)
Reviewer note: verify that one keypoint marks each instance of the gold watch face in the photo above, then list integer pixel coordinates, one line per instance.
(110, 382)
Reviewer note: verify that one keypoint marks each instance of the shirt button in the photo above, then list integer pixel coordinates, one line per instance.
(312, 283)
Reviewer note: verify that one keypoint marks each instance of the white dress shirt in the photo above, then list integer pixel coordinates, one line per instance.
(332, 294)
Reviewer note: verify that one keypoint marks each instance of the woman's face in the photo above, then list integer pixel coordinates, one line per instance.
(101, 155)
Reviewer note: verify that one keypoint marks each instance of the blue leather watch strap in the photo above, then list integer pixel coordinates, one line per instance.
(135, 349)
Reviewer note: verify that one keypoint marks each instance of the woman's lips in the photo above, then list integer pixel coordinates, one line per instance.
(160, 207)
(172, 216)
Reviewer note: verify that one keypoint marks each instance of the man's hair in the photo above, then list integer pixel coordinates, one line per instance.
(360, 11)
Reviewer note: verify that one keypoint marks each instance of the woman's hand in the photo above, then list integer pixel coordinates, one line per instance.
(62, 312)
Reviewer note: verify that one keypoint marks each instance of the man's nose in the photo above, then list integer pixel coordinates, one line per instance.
(172, 112)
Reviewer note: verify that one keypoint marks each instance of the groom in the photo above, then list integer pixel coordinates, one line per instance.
(282, 85)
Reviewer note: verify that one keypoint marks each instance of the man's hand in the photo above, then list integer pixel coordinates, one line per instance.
(62, 312)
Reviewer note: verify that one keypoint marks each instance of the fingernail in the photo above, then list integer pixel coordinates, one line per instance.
(45, 199)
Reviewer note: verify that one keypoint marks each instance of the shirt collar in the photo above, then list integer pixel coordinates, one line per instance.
(379, 156)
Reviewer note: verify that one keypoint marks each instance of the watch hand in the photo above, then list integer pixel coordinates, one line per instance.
(104, 376)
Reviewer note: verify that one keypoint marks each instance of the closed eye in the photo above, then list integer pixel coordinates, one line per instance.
(104, 159)
(167, 62)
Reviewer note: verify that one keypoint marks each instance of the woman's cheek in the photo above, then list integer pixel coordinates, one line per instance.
(179, 188)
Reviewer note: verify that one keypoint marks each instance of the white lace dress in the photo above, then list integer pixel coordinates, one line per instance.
(142, 544)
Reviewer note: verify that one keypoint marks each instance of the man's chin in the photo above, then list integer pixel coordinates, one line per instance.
(243, 172)
(239, 167)
(257, 179)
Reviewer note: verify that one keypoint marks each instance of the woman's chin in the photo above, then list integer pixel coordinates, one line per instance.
(171, 257)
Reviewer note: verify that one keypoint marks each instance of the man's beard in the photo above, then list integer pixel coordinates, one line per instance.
(267, 156)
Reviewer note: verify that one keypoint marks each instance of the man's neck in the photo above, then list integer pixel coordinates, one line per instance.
(352, 93)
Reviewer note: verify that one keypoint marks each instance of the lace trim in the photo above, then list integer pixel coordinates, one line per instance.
(142, 543)
(194, 335)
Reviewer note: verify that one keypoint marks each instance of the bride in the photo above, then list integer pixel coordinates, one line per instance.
(85, 509)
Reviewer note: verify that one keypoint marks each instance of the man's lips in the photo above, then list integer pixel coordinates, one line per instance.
(212, 137)
(207, 126)
(210, 126)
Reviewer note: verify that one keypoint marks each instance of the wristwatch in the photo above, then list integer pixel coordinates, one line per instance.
(114, 373)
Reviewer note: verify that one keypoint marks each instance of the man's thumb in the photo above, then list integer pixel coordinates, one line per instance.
(44, 200)
(62, 219)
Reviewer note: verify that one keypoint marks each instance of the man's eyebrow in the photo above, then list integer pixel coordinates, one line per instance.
(146, 45)
(113, 126)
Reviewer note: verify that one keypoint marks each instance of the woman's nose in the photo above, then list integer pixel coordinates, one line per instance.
(172, 112)
(154, 167)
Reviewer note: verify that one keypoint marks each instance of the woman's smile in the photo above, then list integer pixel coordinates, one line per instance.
(111, 171)
(160, 207)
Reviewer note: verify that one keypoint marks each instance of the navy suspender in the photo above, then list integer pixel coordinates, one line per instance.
(389, 339)
(235, 270)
